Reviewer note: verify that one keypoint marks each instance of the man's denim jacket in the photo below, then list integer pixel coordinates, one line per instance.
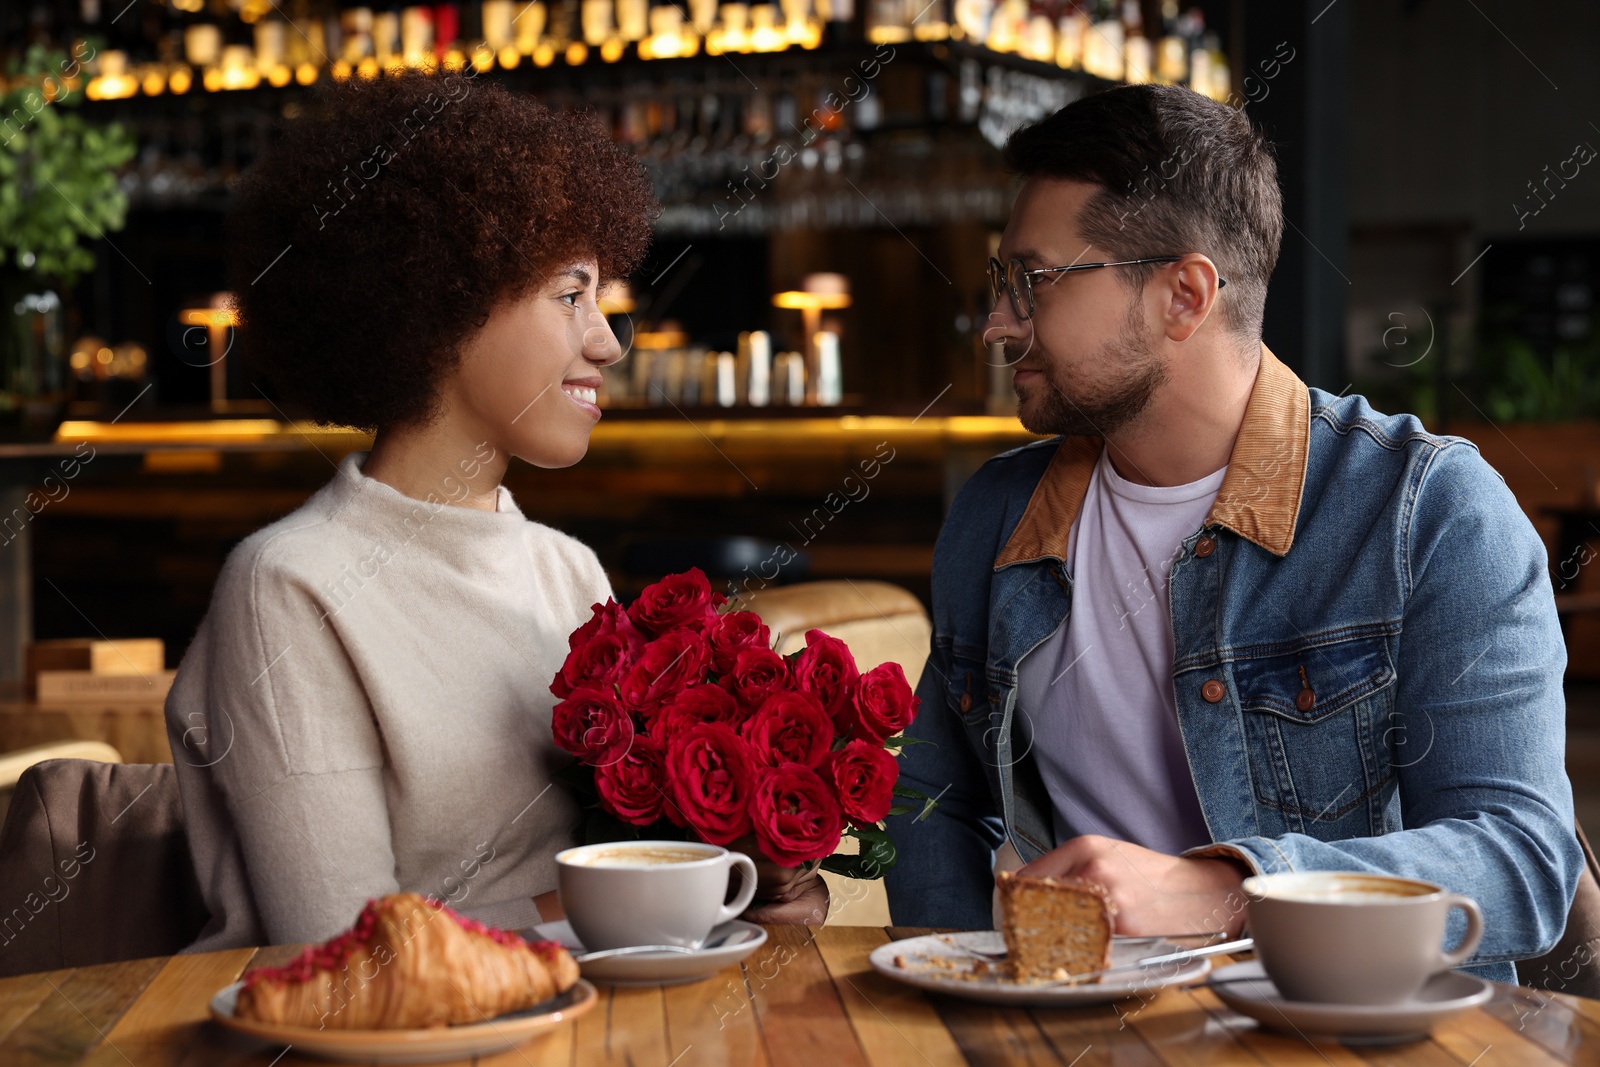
(1367, 669)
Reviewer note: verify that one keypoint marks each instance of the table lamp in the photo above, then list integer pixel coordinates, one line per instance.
(217, 318)
(817, 293)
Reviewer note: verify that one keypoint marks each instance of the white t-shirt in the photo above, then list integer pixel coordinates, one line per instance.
(1099, 690)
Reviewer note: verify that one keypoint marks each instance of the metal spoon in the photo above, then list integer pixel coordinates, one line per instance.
(995, 957)
(631, 950)
(1244, 944)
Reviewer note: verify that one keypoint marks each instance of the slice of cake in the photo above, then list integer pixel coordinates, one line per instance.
(1054, 927)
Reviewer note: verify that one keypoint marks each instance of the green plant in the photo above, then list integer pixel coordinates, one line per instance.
(1520, 385)
(58, 180)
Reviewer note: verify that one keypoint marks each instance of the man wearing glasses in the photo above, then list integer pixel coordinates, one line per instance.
(1222, 624)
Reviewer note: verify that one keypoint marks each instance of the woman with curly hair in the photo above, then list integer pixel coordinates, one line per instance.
(364, 709)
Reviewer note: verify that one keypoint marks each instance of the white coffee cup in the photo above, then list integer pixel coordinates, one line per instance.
(1350, 938)
(650, 892)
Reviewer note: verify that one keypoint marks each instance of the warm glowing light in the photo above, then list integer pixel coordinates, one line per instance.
(367, 68)
(80, 360)
(544, 55)
(204, 317)
(103, 356)
(803, 300)
(482, 58)
(340, 70)
(155, 83)
(305, 74)
(510, 57)
(663, 339)
(211, 79)
(180, 79)
(611, 50)
(764, 34)
(455, 59)
(577, 52)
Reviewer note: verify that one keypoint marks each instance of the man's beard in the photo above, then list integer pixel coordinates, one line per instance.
(1060, 407)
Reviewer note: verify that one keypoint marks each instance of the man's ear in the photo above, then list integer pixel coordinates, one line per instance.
(1191, 293)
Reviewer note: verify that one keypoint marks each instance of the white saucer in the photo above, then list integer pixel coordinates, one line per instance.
(1246, 989)
(661, 968)
(936, 963)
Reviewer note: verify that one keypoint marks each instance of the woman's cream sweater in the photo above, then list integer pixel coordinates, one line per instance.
(365, 709)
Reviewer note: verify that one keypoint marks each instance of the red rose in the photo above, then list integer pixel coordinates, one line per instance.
(608, 618)
(596, 664)
(789, 728)
(757, 674)
(633, 787)
(795, 817)
(591, 725)
(827, 671)
(731, 634)
(863, 775)
(883, 703)
(709, 777)
(696, 704)
(678, 601)
(666, 666)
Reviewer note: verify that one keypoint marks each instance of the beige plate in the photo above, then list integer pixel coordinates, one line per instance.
(935, 963)
(412, 1046)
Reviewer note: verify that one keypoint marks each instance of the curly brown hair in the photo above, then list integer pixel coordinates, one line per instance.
(391, 217)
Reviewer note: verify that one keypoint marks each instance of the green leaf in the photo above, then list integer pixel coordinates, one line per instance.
(873, 861)
(901, 741)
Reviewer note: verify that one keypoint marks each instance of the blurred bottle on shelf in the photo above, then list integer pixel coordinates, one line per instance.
(1137, 53)
(1007, 25)
(931, 20)
(972, 19)
(1102, 43)
(1172, 52)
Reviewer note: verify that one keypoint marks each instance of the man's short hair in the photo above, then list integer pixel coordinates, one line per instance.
(1179, 173)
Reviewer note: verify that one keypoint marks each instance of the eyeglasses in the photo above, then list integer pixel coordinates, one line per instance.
(1015, 279)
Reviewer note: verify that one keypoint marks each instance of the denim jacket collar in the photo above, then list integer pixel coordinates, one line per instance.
(1260, 495)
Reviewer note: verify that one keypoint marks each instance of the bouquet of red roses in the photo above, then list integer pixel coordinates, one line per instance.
(685, 723)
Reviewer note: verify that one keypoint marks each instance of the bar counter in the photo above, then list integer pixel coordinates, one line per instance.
(125, 523)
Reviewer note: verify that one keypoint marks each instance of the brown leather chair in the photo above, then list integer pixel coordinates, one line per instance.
(94, 867)
(879, 621)
(13, 763)
(1573, 966)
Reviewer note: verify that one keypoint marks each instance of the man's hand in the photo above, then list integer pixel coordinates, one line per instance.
(1154, 893)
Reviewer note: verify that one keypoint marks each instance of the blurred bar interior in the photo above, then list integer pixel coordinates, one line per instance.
(805, 360)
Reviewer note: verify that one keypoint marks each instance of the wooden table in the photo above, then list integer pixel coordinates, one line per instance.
(807, 998)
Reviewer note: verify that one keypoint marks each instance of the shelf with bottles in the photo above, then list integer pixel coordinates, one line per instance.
(175, 47)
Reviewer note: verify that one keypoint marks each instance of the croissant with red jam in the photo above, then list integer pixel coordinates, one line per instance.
(407, 963)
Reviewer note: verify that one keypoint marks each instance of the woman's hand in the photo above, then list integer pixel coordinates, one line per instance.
(806, 901)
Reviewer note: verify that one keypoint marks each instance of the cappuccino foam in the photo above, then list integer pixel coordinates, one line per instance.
(636, 857)
(1334, 895)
